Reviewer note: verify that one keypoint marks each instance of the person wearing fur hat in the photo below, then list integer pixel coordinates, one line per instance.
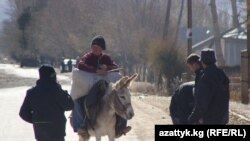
(44, 106)
(212, 96)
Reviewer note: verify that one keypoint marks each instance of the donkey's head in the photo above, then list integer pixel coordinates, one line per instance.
(122, 97)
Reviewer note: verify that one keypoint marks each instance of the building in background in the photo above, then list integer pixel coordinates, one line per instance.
(233, 43)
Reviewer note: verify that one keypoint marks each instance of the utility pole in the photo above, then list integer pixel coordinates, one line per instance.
(248, 37)
(248, 30)
(189, 26)
(187, 76)
(245, 64)
(246, 96)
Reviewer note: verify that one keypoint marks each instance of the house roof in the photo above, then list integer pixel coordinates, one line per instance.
(207, 42)
(237, 33)
(230, 33)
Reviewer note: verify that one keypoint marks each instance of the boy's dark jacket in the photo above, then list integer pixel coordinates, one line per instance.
(44, 107)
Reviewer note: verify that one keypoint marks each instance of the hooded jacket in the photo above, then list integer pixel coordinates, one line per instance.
(44, 106)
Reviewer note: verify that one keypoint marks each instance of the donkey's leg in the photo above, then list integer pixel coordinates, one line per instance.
(81, 138)
(98, 138)
(111, 135)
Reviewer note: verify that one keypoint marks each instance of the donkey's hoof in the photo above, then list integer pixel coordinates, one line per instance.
(84, 133)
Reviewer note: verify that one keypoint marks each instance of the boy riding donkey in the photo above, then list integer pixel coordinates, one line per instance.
(98, 63)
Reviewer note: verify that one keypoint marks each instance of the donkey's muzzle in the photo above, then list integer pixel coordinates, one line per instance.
(130, 115)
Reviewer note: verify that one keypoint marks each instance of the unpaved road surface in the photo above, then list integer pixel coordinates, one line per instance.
(13, 128)
(13, 85)
(149, 110)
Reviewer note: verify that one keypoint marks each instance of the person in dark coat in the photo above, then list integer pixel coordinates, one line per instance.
(212, 96)
(182, 101)
(44, 106)
(95, 61)
(195, 66)
(63, 66)
(70, 65)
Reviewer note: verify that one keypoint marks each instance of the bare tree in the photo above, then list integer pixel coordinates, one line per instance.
(167, 20)
(178, 23)
(234, 13)
(216, 31)
(130, 27)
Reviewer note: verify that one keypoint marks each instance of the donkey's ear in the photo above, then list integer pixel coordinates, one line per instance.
(120, 83)
(125, 81)
(130, 79)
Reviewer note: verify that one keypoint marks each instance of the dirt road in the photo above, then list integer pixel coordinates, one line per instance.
(12, 128)
(149, 110)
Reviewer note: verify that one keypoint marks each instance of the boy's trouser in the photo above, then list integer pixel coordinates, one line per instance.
(78, 117)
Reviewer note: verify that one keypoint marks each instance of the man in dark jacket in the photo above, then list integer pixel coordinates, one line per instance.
(212, 96)
(194, 64)
(44, 106)
(70, 65)
(95, 61)
(182, 103)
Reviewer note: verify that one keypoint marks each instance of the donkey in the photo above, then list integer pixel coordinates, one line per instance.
(116, 100)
